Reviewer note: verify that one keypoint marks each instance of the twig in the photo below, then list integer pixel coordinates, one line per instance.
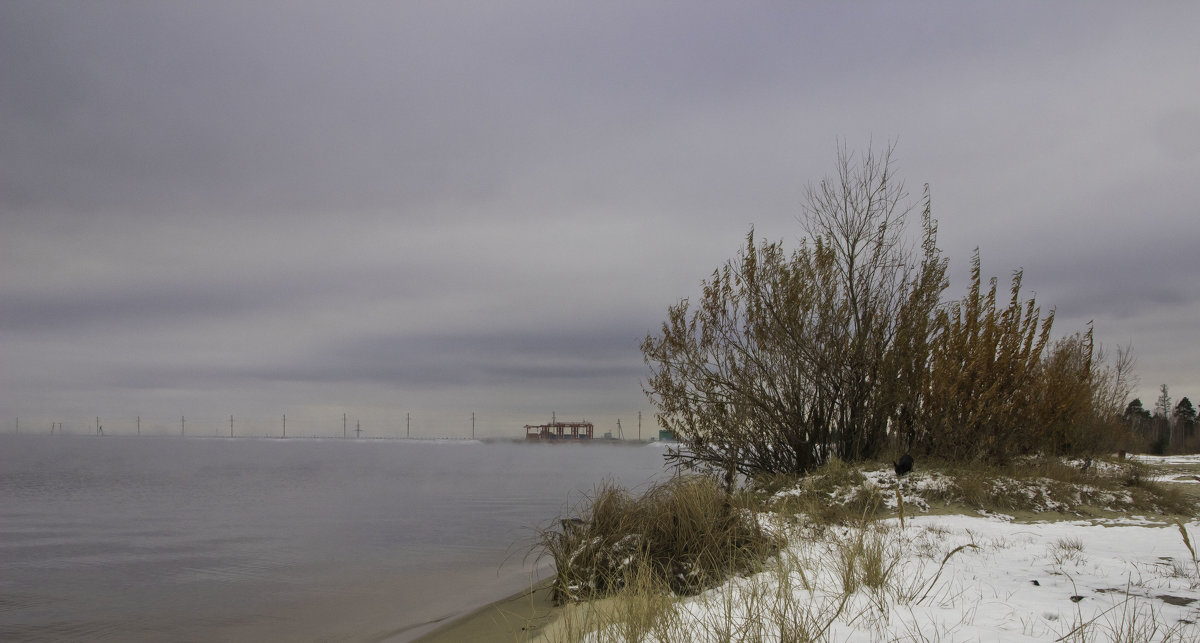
(943, 566)
(1187, 541)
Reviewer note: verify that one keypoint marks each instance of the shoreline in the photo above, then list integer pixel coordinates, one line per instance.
(529, 616)
(520, 617)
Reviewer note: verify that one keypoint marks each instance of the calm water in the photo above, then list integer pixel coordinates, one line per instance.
(192, 539)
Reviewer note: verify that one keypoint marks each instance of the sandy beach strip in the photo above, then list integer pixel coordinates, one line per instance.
(520, 617)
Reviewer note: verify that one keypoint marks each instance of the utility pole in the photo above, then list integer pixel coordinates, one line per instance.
(285, 425)
(181, 425)
(231, 426)
(639, 426)
(472, 425)
(357, 429)
(408, 425)
(620, 433)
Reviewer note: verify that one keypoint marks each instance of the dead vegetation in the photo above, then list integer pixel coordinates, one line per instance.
(685, 534)
(625, 564)
(1037, 487)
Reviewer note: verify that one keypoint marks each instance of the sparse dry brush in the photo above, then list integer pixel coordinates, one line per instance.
(848, 568)
(788, 359)
(982, 369)
(843, 348)
(683, 535)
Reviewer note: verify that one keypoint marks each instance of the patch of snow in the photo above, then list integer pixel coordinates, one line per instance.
(963, 578)
(1168, 459)
(1178, 478)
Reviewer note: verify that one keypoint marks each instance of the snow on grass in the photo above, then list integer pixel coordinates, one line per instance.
(1192, 460)
(1185, 478)
(864, 576)
(956, 577)
(1105, 564)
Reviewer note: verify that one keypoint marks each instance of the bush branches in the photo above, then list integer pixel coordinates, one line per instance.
(843, 347)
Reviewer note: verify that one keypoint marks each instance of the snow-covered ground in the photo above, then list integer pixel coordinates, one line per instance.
(956, 578)
(959, 578)
(1192, 460)
(1181, 469)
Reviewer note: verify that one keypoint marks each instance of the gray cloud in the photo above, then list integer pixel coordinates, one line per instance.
(391, 206)
(576, 356)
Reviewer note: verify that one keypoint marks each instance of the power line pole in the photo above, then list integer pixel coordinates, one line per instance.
(285, 425)
(231, 426)
(408, 425)
(472, 425)
(357, 430)
(181, 425)
(639, 426)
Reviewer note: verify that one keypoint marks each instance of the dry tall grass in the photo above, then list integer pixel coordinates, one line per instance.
(684, 535)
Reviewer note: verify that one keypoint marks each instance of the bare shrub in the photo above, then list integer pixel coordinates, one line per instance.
(789, 359)
(843, 348)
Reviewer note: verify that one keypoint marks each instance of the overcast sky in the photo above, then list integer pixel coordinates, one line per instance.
(438, 208)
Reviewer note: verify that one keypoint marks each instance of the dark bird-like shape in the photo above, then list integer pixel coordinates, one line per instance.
(1086, 465)
(904, 465)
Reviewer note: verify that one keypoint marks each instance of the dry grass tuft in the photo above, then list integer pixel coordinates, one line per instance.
(683, 535)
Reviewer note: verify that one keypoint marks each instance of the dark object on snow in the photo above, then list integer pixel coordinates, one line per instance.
(1036, 583)
(1076, 599)
(904, 465)
(1086, 465)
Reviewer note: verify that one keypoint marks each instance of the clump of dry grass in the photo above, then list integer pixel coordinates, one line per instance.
(683, 535)
(1067, 550)
(1051, 484)
(834, 494)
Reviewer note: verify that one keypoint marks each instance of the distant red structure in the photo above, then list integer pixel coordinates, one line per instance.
(558, 431)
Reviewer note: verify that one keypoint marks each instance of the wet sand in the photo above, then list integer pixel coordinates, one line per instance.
(519, 618)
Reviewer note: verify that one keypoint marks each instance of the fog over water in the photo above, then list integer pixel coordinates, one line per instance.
(167, 538)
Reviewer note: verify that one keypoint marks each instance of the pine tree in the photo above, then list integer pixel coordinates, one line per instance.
(1185, 417)
(1135, 413)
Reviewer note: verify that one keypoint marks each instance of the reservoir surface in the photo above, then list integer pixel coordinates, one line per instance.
(202, 539)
